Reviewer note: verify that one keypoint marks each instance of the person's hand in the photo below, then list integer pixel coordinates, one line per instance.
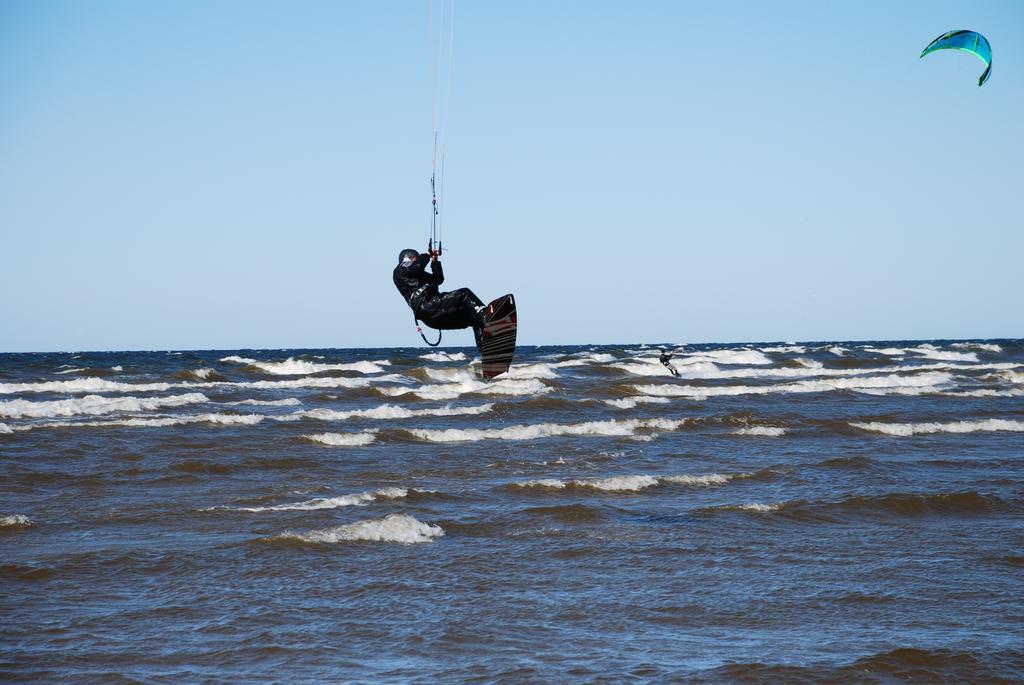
(434, 254)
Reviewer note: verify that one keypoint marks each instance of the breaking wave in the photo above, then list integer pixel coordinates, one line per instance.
(758, 507)
(356, 500)
(932, 352)
(986, 392)
(298, 367)
(786, 349)
(893, 383)
(156, 422)
(80, 385)
(451, 391)
(15, 521)
(287, 402)
(908, 429)
(744, 357)
(515, 372)
(318, 382)
(983, 347)
(385, 411)
(632, 483)
(766, 431)
(94, 404)
(444, 356)
(632, 402)
(547, 430)
(343, 439)
(392, 528)
(99, 385)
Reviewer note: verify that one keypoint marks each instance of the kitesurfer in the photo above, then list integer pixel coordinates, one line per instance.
(444, 311)
(664, 359)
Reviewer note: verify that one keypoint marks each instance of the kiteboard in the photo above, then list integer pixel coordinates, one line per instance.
(498, 339)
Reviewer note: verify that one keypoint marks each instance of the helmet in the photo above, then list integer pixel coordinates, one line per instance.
(409, 255)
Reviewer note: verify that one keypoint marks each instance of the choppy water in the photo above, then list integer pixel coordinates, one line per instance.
(823, 512)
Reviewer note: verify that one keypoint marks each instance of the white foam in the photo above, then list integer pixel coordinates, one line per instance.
(704, 480)
(787, 349)
(201, 374)
(908, 429)
(838, 351)
(744, 357)
(5, 429)
(98, 385)
(527, 371)
(632, 402)
(385, 411)
(14, 520)
(356, 500)
(547, 430)
(520, 372)
(765, 431)
(986, 392)
(288, 402)
(886, 351)
(298, 367)
(69, 370)
(620, 483)
(448, 374)
(892, 383)
(218, 419)
(391, 528)
(94, 404)
(451, 391)
(343, 439)
(319, 382)
(984, 347)
(543, 483)
(585, 358)
(931, 352)
(117, 368)
(911, 391)
(632, 483)
(808, 369)
(579, 358)
(234, 359)
(444, 356)
(79, 385)
(755, 506)
(1015, 377)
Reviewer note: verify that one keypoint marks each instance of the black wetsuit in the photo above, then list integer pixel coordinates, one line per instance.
(665, 357)
(443, 311)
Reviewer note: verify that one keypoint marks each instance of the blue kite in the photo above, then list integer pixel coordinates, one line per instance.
(966, 41)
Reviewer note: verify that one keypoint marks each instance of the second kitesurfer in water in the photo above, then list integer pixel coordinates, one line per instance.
(444, 311)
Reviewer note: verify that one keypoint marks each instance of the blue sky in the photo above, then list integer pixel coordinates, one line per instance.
(243, 174)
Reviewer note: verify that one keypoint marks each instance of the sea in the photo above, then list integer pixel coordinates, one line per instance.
(827, 512)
